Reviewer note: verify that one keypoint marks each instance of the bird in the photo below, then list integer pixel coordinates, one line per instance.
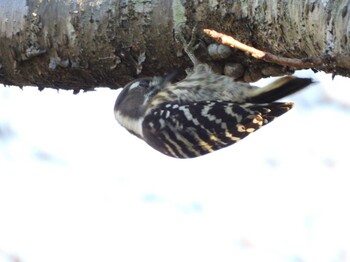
(201, 113)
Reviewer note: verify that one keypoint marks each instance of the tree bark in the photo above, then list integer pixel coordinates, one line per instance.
(85, 44)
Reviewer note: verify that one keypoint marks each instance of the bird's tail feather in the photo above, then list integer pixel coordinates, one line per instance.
(278, 89)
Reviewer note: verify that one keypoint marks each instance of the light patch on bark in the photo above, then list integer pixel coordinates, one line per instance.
(324, 2)
(178, 12)
(12, 15)
(213, 4)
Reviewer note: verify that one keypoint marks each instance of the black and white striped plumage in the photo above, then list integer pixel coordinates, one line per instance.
(202, 113)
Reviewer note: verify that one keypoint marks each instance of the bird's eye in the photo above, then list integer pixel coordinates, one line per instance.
(144, 83)
(140, 83)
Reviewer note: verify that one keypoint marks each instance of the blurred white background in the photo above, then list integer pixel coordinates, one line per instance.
(75, 186)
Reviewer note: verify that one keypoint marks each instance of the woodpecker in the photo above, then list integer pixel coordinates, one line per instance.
(203, 112)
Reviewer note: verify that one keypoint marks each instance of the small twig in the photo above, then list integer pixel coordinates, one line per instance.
(266, 56)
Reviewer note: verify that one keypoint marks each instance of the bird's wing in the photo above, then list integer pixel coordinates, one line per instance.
(195, 129)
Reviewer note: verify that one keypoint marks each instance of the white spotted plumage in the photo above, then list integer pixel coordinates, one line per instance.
(200, 114)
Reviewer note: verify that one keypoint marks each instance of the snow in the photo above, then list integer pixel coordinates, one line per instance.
(75, 186)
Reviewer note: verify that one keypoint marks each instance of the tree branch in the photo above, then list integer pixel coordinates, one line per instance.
(308, 62)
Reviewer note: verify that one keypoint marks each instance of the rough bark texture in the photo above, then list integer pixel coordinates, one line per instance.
(84, 44)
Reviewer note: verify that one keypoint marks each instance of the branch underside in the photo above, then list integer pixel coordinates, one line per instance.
(79, 45)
